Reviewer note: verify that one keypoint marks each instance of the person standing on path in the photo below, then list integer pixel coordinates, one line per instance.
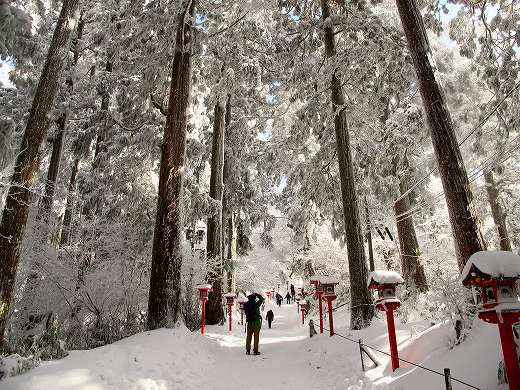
(254, 321)
(269, 317)
(288, 297)
(293, 292)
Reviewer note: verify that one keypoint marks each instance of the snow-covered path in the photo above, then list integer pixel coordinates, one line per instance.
(171, 359)
(281, 364)
(179, 359)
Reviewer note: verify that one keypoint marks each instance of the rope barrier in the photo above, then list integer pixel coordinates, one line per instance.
(403, 360)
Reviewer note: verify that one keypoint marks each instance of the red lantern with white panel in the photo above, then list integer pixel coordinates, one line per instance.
(385, 282)
(495, 274)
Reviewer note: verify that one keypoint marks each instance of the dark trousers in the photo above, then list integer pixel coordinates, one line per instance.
(269, 322)
(253, 330)
(288, 300)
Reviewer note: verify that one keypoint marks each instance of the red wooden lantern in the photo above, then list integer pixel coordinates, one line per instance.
(303, 309)
(241, 302)
(328, 284)
(496, 274)
(318, 292)
(230, 301)
(385, 282)
(204, 290)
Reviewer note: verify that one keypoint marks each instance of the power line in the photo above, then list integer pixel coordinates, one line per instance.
(475, 175)
(479, 125)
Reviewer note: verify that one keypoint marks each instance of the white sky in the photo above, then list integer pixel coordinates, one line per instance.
(5, 68)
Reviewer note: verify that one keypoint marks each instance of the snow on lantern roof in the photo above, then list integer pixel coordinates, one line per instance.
(230, 295)
(204, 287)
(328, 280)
(385, 277)
(314, 279)
(494, 264)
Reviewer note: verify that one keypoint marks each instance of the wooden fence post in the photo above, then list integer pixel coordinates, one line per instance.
(361, 354)
(447, 379)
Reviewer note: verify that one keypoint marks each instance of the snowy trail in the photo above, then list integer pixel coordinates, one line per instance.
(178, 359)
(279, 366)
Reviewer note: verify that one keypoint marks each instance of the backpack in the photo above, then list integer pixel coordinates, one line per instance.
(252, 311)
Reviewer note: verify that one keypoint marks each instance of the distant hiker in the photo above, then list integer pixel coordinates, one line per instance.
(288, 297)
(269, 317)
(279, 299)
(293, 292)
(254, 321)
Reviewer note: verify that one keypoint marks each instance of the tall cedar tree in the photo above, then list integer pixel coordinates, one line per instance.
(228, 215)
(361, 300)
(499, 216)
(14, 217)
(59, 134)
(413, 270)
(214, 311)
(165, 276)
(465, 224)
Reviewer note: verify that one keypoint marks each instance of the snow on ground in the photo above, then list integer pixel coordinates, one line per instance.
(178, 359)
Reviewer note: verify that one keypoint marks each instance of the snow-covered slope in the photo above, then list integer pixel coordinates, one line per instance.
(178, 359)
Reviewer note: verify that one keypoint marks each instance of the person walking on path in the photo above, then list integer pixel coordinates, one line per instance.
(279, 299)
(254, 321)
(293, 292)
(269, 317)
(288, 297)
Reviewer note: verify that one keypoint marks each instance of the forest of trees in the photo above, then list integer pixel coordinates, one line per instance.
(129, 122)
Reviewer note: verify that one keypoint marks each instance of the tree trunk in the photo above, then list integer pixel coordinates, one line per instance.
(214, 312)
(57, 144)
(231, 253)
(229, 215)
(361, 300)
(464, 221)
(67, 218)
(498, 214)
(14, 217)
(413, 270)
(54, 166)
(369, 237)
(164, 302)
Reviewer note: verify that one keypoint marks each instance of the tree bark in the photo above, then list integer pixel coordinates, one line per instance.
(228, 213)
(14, 217)
(464, 221)
(362, 309)
(164, 304)
(57, 144)
(67, 218)
(54, 166)
(413, 270)
(369, 238)
(214, 312)
(498, 214)
(231, 252)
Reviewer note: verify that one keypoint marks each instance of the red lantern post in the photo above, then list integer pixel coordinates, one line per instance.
(241, 302)
(303, 309)
(204, 290)
(496, 274)
(385, 282)
(327, 283)
(230, 301)
(318, 292)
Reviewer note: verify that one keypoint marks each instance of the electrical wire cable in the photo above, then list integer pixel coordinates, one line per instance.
(466, 137)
